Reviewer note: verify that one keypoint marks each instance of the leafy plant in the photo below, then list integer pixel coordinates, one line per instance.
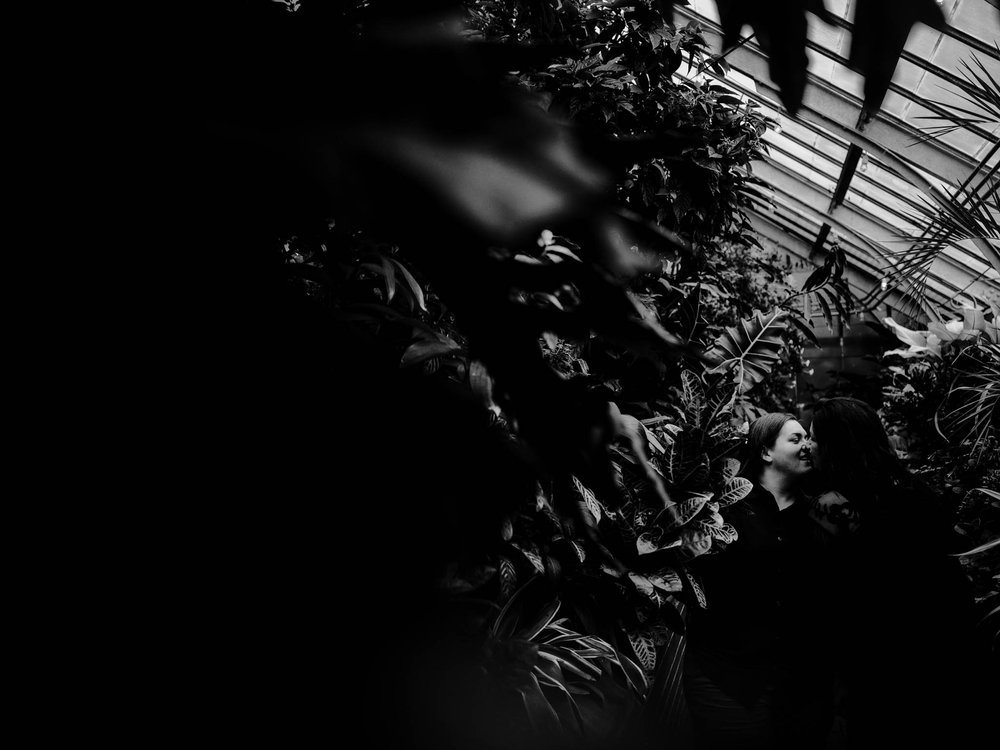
(966, 212)
(560, 675)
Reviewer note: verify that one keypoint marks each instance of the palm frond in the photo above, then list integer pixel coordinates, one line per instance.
(980, 90)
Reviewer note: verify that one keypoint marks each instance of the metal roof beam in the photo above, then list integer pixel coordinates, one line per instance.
(833, 138)
(846, 174)
(920, 209)
(806, 224)
(901, 216)
(860, 279)
(820, 241)
(853, 221)
(830, 104)
(948, 30)
(913, 96)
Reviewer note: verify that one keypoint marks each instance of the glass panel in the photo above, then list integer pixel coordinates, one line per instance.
(976, 18)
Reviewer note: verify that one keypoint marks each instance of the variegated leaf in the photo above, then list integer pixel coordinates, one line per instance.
(719, 403)
(646, 542)
(729, 468)
(693, 398)
(699, 593)
(735, 490)
(694, 542)
(645, 649)
(642, 584)
(508, 578)
(654, 444)
(697, 474)
(724, 533)
(673, 462)
(675, 517)
(533, 557)
(588, 499)
(667, 579)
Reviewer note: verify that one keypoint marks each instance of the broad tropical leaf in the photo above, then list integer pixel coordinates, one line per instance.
(646, 542)
(427, 346)
(642, 584)
(697, 475)
(724, 533)
(735, 490)
(751, 350)
(673, 518)
(729, 468)
(719, 402)
(694, 542)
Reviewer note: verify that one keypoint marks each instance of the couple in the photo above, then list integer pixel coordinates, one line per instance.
(841, 603)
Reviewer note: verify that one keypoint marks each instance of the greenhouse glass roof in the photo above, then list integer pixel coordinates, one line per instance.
(838, 173)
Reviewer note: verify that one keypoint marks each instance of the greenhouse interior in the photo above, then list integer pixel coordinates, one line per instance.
(605, 373)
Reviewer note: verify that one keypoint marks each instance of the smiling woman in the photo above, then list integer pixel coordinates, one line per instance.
(755, 675)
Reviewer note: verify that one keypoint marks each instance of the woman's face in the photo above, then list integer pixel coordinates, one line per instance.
(814, 448)
(790, 454)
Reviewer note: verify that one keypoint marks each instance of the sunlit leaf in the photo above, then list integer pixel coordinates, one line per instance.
(735, 490)
(751, 350)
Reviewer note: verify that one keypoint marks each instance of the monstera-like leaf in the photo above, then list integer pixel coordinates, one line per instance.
(751, 349)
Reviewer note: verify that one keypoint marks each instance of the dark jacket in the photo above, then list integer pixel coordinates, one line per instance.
(905, 629)
(764, 595)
